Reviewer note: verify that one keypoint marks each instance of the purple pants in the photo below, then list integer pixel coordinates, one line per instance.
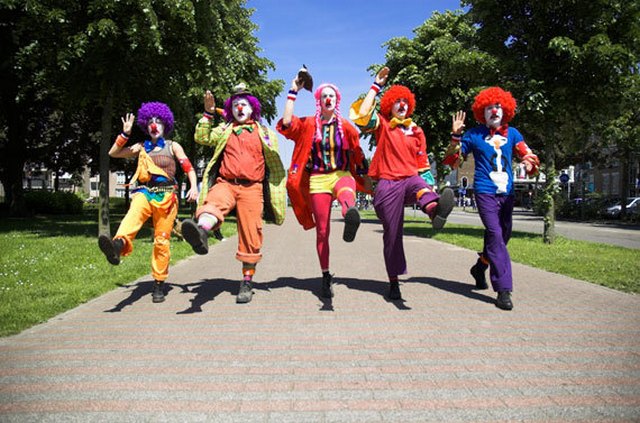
(496, 213)
(389, 201)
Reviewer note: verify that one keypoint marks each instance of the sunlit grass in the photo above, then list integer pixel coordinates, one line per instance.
(49, 265)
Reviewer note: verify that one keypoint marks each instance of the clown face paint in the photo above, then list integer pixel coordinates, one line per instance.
(493, 115)
(328, 100)
(241, 109)
(400, 108)
(155, 128)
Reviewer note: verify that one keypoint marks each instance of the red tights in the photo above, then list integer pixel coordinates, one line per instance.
(321, 209)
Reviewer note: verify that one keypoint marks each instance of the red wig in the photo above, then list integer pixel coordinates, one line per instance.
(393, 94)
(494, 95)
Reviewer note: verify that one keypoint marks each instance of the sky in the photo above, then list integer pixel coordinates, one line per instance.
(336, 40)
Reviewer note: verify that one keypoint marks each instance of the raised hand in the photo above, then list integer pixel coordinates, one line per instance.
(457, 122)
(382, 76)
(297, 84)
(127, 123)
(209, 102)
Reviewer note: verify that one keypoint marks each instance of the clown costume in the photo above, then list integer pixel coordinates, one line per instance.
(493, 145)
(245, 175)
(155, 192)
(397, 165)
(326, 163)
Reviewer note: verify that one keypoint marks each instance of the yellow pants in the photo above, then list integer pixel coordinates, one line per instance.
(163, 221)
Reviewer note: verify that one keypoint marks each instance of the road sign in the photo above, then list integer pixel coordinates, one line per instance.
(564, 178)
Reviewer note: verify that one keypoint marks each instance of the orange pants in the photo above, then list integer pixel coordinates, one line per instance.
(163, 221)
(248, 202)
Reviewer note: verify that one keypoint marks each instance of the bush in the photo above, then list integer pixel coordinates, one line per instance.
(45, 202)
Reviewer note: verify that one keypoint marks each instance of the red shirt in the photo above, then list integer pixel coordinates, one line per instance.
(242, 157)
(398, 154)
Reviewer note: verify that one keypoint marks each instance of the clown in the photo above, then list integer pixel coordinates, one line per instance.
(398, 162)
(245, 174)
(155, 193)
(493, 145)
(326, 161)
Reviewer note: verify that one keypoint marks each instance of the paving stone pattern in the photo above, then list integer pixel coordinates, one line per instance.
(569, 351)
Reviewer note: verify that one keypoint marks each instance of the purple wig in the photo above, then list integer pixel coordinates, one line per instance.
(157, 110)
(253, 102)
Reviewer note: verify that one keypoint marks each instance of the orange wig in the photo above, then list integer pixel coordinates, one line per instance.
(494, 95)
(393, 94)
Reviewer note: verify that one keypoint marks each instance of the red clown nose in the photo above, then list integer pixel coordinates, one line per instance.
(239, 108)
(327, 102)
(154, 127)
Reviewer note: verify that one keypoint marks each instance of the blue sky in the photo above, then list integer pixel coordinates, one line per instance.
(337, 40)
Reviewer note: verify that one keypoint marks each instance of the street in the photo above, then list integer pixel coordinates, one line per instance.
(604, 232)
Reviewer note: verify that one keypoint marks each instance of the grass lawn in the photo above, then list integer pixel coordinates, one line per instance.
(51, 264)
(607, 265)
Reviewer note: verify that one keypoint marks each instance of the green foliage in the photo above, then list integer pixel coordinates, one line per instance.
(47, 202)
(63, 62)
(444, 68)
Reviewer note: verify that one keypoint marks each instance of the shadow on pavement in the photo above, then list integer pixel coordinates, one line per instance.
(207, 290)
(141, 289)
(465, 289)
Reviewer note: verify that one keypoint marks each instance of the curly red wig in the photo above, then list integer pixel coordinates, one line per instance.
(393, 94)
(493, 95)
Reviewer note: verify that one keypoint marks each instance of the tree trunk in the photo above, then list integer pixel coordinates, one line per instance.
(549, 232)
(103, 184)
(624, 182)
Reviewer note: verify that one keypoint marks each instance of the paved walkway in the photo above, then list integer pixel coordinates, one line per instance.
(569, 350)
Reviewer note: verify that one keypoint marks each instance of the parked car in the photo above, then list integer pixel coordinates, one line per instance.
(633, 206)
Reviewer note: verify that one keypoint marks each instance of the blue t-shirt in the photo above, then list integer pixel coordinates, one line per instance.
(493, 156)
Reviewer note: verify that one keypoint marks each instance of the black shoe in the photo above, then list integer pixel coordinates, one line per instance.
(444, 208)
(195, 236)
(351, 224)
(157, 296)
(504, 300)
(111, 248)
(245, 294)
(477, 271)
(394, 290)
(327, 285)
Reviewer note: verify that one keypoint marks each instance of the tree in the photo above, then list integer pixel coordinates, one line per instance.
(100, 59)
(565, 61)
(444, 68)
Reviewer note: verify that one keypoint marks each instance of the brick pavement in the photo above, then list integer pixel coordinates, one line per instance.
(569, 351)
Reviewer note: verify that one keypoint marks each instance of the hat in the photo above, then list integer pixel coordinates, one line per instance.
(240, 89)
(305, 77)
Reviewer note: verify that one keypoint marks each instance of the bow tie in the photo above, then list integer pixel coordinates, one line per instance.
(238, 129)
(149, 145)
(404, 122)
(502, 130)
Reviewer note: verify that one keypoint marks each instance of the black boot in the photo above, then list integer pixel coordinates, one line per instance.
(394, 290)
(111, 248)
(504, 300)
(444, 208)
(351, 224)
(245, 294)
(157, 296)
(327, 285)
(477, 271)
(195, 236)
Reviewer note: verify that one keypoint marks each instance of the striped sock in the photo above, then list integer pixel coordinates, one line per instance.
(207, 221)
